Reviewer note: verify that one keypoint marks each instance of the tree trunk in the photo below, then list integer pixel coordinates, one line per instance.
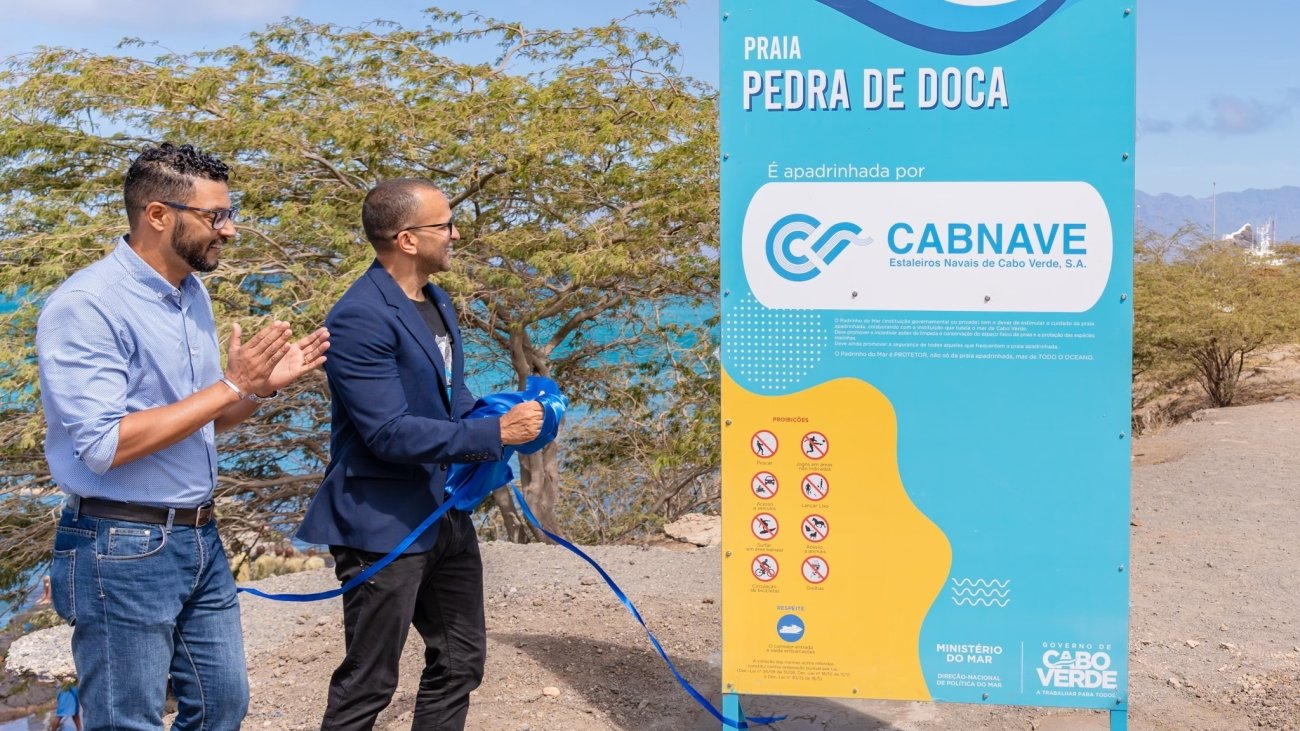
(540, 474)
(516, 529)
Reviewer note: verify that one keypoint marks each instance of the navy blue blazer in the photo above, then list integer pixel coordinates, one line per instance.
(395, 424)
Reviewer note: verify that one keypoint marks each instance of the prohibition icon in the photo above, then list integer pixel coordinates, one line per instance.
(763, 443)
(764, 526)
(815, 569)
(815, 444)
(764, 567)
(814, 486)
(815, 528)
(764, 485)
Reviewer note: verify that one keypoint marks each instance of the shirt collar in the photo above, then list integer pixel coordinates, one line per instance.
(147, 275)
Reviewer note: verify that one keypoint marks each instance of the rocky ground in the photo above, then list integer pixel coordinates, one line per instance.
(1215, 633)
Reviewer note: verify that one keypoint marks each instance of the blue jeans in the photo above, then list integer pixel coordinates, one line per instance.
(146, 601)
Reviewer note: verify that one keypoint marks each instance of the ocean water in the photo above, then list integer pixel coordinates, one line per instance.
(488, 373)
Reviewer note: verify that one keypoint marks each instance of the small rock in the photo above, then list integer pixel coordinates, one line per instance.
(322, 621)
(1193, 644)
(551, 691)
(1228, 646)
(1175, 682)
(525, 727)
(1223, 628)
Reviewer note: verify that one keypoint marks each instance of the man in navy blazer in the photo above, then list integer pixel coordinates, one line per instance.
(396, 375)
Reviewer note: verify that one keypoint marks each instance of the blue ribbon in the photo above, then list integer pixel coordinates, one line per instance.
(469, 484)
(622, 597)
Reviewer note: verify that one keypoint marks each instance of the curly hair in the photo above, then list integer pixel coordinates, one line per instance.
(167, 173)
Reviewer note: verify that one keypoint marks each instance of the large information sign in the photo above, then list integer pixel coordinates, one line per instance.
(926, 249)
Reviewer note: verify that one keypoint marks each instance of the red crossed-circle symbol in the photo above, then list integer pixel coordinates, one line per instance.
(814, 486)
(764, 526)
(763, 443)
(814, 445)
(815, 528)
(764, 485)
(815, 569)
(764, 567)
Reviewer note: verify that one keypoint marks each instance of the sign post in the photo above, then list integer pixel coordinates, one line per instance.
(927, 321)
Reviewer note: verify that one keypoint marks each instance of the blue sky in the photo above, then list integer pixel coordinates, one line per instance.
(1218, 81)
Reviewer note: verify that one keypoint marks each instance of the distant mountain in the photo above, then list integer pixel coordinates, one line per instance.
(1165, 213)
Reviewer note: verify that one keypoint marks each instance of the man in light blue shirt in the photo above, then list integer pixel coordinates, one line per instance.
(134, 393)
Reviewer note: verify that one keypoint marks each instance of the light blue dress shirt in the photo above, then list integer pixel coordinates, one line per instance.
(114, 339)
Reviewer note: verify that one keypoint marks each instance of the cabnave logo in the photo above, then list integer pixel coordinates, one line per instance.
(796, 256)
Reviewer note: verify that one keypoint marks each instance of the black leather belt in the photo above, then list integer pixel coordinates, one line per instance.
(114, 510)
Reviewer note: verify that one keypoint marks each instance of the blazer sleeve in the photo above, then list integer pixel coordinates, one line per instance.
(365, 378)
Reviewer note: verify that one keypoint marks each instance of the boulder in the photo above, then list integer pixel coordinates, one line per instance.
(45, 654)
(701, 530)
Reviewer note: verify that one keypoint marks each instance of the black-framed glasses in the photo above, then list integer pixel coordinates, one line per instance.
(217, 216)
(446, 226)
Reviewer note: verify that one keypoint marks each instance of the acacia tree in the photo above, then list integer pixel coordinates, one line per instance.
(1207, 311)
(581, 169)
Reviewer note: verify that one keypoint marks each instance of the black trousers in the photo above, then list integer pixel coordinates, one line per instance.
(441, 593)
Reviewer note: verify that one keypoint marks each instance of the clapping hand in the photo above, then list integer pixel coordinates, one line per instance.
(305, 355)
(250, 365)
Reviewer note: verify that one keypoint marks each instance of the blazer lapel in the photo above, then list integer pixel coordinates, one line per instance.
(410, 318)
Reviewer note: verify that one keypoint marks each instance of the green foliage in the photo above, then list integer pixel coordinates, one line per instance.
(580, 164)
(1202, 310)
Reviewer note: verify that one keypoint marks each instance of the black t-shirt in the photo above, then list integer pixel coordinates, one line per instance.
(441, 336)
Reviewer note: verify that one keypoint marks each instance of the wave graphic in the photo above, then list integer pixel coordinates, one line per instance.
(980, 602)
(982, 582)
(1000, 593)
(941, 40)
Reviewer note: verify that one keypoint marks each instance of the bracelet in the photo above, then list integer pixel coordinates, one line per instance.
(238, 391)
(255, 398)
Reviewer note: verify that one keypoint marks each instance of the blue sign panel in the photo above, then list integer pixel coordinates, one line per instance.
(927, 261)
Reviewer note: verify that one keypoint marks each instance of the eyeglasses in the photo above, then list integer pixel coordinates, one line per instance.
(448, 226)
(217, 216)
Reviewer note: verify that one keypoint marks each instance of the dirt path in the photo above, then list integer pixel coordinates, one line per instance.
(1215, 639)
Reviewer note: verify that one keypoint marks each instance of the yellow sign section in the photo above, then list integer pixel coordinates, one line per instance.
(828, 569)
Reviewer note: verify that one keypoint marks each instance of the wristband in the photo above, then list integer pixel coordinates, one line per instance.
(238, 391)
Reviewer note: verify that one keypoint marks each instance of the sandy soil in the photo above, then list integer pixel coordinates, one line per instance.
(1215, 639)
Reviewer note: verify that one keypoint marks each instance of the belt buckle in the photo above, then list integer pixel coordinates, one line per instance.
(203, 514)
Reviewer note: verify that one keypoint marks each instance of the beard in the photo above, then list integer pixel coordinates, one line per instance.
(194, 248)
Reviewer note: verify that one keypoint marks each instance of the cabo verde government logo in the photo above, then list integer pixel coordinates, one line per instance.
(799, 248)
